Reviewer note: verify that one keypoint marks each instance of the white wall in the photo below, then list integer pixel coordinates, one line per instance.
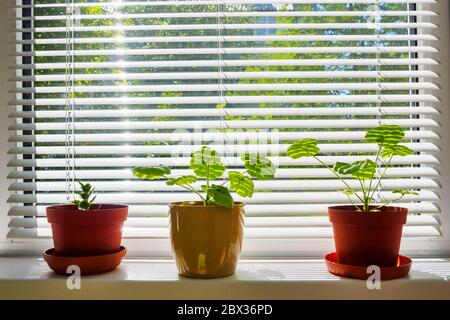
(4, 110)
(443, 70)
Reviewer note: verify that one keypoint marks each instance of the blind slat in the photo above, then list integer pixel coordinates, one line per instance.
(224, 39)
(262, 233)
(233, 99)
(184, 161)
(214, 2)
(260, 185)
(234, 75)
(250, 222)
(217, 112)
(226, 51)
(240, 87)
(251, 210)
(235, 124)
(227, 63)
(166, 197)
(217, 136)
(222, 149)
(229, 26)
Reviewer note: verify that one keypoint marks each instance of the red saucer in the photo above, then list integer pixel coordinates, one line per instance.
(88, 265)
(358, 272)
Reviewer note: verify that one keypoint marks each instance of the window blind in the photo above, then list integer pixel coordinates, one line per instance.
(151, 81)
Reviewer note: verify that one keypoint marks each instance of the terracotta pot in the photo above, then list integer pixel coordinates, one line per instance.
(206, 240)
(87, 233)
(367, 238)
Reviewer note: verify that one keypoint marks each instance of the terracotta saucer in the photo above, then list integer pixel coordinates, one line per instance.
(358, 272)
(88, 265)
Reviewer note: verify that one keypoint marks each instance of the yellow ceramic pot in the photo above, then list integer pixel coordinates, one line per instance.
(206, 240)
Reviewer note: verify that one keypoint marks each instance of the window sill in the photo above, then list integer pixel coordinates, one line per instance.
(30, 278)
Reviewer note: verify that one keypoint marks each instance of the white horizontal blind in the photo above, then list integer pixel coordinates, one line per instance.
(154, 79)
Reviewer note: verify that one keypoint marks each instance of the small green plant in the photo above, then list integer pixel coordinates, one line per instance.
(207, 166)
(368, 173)
(85, 202)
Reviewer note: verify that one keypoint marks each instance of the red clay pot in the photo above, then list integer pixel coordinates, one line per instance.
(367, 238)
(87, 233)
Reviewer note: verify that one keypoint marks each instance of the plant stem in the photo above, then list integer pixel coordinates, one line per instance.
(205, 201)
(351, 201)
(376, 163)
(388, 203)
(339, 177)
(382, 176)
(365, 198)
(207, 183)
(207, 175)
(192, 189)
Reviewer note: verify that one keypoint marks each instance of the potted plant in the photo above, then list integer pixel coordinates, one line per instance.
(364, 233)
(86, 229)
(207, 235)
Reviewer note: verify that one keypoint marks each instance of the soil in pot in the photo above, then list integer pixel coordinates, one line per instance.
(206, 240)
(87, 233)
(367, 238)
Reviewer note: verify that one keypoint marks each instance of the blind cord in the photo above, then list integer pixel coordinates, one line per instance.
(223, 102)
(69, 106)
(379, 87)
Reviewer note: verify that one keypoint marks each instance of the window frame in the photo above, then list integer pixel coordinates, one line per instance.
(253, 248)
(443, 45)
(4, 121)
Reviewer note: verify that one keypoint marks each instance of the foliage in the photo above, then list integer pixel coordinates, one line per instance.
(256, 170)
(85, 202)
(387, 137)
(207, 166)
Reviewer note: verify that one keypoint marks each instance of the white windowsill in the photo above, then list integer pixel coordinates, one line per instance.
(30, 278)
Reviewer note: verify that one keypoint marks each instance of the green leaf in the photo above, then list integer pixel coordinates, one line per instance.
(404, 192)
(241, 184)
(85, 194)
(171, 182)
(348, 192)
(303, 148)
(206, 164)
(85, 187)
(220, 195)
(151, 173)
(82, 204)
(385, 135)
(186, 180)
(396, 151)
(181, 181)
(258, 166)
(363, 170)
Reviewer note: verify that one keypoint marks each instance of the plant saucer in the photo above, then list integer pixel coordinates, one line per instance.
(360, 272)
(87, 264)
